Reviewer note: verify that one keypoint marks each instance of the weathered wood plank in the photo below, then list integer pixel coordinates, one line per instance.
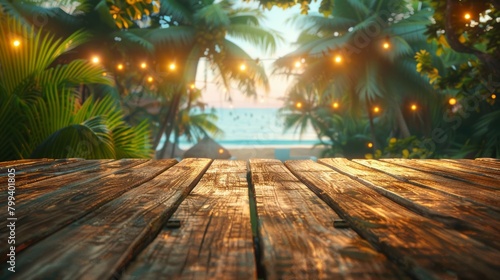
(297, 236)
(476, 220)
(448, 186)
(24, 162)
(488, 166)
(214, 240)
(71, 202)
(50, 171)
(34, 165)
(420, 245)
(449, 170)
(99, 246)
(28, 192)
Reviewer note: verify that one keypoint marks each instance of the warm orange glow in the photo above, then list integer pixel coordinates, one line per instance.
(335, 105)
(298, 105)
(493, 96)
(338, 59)
(221, 151)
(144, 65)
(298, 64)
(370, 145)
(452, 101)
(192, 86)
(414, 107)
(95, 59)
(104, 74)
(172, 66)
(16, 43)
(150, 79)
(386, 45)
(119, 66)
(467, 16)
(376, 109)
(243, 67)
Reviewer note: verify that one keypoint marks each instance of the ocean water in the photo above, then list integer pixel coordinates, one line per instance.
(254, 128)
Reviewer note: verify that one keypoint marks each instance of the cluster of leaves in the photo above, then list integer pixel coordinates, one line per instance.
(410, 147)
(41, 115)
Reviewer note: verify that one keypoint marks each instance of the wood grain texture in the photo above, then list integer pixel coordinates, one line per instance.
(489, 166)
(71, 202)
(297, 237)
(452, 187)
(475, 220)
(54, 169)
(98, 246)
(420, 245)
(214, 240)
(452, 170)
(28, 192)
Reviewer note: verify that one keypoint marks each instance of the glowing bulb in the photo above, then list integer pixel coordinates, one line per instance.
(95, 59)
(452, 101)
(386, 45)
(370, 145)
(16, 43)
(298, 105)
(221, 151)
(172, 66)
(338, 59)
(493, 96)
(243, 67)
(150, 79)
(104, 74)
(414, 107)
(467, 16)
(192, 86)
(376, 109)
(144, 65)
(298, 64)
(119, 66)
(335, 105)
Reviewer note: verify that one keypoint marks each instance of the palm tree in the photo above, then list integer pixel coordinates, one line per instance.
(205, 29)
(364, 51)
(41, 115)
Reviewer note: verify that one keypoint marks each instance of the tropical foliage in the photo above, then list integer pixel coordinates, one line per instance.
(41, 113)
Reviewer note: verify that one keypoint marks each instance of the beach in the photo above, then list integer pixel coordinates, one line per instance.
(248, 153)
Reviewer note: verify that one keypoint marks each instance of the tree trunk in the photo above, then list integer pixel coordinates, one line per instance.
(372, 126)
(172, 114)
(402, 126)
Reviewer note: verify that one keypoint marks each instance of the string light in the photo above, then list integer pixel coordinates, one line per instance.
(467, 16)
(221, 151)
(104, 74)
(298, 64)
(119, 66)
(298, 105)
(144, 65)
(414, 107)
(243, 67)
(452, 101)
(386, 45)
(338, 59)
(370, 145)
(376, 109)
(172, 66)
(335, 105)
(95, 59)
(16, 43)
(150, 79)
(192, 86)
(493, 96)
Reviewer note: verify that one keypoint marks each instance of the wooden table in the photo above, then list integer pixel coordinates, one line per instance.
(198, 218)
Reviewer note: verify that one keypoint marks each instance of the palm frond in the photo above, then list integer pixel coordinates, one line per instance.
(264, 39)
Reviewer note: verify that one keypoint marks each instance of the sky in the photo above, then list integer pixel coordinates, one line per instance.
(276, 20)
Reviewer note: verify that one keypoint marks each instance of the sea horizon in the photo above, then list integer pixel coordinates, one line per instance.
(250, 127)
